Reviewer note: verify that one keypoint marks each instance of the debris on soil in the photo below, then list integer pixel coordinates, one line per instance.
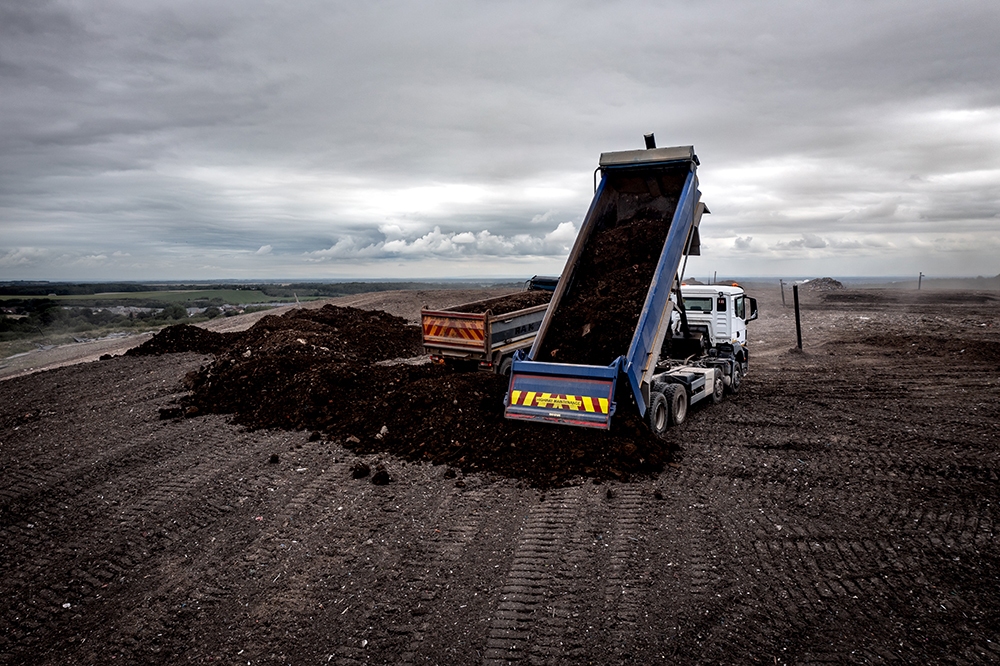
(504, 304)
(318, 370)
(167, 413)
(360, 470)
(273, 459)
(381, 476)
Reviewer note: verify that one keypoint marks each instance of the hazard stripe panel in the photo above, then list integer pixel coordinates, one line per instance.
(575, 403)
(461, 332)
(573, 400)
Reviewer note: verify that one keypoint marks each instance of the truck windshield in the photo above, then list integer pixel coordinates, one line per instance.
(698, 304)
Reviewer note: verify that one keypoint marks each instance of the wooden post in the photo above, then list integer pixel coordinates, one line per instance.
(782, 293)
(798, 322)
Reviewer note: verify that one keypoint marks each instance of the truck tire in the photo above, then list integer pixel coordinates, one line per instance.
(718, 388)
(736, 379)
(658, 414)
(677, 398)
(505, 366)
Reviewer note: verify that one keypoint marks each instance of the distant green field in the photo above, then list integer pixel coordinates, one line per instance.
(232, 296)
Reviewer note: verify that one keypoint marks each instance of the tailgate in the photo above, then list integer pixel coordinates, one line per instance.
(581, 395)
(458, 331)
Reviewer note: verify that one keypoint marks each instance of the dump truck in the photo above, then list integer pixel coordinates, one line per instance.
(617, 329)
(485, 333)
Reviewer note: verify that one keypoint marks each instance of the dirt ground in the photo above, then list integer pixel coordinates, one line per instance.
(841, 508)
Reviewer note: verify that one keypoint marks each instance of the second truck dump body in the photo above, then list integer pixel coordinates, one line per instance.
(473, 333)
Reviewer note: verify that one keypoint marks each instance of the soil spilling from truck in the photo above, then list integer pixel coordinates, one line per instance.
(345, 373)
(596, 318)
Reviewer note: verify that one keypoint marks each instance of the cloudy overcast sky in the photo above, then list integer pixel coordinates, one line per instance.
(248, 139)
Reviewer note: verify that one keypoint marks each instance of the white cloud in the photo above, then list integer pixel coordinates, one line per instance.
(465, 244)
(264, 249)
(24, 256)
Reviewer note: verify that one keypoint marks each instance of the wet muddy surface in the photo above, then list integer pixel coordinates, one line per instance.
(842, 508)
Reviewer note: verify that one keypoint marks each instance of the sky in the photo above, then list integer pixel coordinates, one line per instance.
(308, 140)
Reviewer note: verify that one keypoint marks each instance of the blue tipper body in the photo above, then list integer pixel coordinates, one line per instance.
(584, 395)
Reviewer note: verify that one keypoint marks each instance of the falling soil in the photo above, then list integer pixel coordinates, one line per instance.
(505, 304)
(331, 370)
(596, 318)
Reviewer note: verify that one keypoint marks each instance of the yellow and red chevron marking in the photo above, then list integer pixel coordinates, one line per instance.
(454, 329)
(574, 403)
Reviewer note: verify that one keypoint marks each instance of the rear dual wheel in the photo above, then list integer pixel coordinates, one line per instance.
(667, 407)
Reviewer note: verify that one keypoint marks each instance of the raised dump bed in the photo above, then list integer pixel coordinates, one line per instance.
(611, 309)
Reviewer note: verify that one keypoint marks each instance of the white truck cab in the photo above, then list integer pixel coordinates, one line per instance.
(720, 311)
(707, 347)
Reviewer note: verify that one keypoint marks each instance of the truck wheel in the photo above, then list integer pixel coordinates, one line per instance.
(677, 397)
(658, 414)
(736, 379)
(505, 366)
(718, 388)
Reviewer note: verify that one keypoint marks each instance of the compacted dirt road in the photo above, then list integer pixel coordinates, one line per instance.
(842, 508)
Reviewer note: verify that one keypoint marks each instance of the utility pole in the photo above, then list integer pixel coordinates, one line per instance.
(919, 280)
(782, 282)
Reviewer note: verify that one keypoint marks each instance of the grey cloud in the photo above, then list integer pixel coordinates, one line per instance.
(191, 135)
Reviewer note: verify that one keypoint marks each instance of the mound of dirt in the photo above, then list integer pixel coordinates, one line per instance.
(184, 338)
(504, 304)
(324, 370)
(822, 284)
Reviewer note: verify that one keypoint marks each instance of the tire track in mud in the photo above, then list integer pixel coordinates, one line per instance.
(527, 625)
(84, 574)
(627, 579)
(815, 573)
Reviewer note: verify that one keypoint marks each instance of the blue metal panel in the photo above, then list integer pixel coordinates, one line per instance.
(659, 291)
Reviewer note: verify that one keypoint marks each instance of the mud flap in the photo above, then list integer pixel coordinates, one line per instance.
(580, 395)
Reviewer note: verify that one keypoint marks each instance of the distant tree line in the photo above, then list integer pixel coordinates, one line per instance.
(39, 317)
(277, 290)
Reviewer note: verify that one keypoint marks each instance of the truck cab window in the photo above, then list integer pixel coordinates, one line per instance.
(698, 304)
(741, 307)
(720, 304)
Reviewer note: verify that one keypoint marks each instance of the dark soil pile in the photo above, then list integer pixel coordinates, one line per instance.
(509, 303)
(184, 338)
(597, 317)
(320, 370)
(457, 418)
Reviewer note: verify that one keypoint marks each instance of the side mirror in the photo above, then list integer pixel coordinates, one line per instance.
(753, 309)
